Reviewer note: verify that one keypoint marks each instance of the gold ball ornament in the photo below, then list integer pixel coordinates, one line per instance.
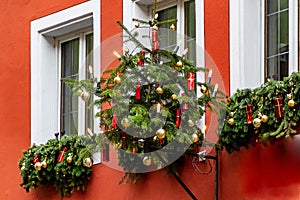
(161, 133)
(195, 138)
(44, 164)
(126, 50)
(174, 97)
(125, 122)
(119, 145)
(256, 122)
(85, 96)
(87, 162)
(190, 123)
(117, 79)
(291, 103)
(231, 114)
(155, 27)
(137, 24)
(172, 27)
(147, 160)
(38, 166)
(289, 96)
(230, 121)
(179, 63)
(203, 89)
(69, 159)
(264, 118)
(259, 115)
(159, 90)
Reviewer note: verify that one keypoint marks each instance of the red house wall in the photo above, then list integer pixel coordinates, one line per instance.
(258, 173)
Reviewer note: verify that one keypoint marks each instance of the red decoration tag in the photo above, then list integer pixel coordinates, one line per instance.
(114, 121)
(154, 39)
(138, 91)
(36, 159)
(123, 140)
(191, 81)
(278, 107)
(140, 61)
(249, 113)
(177, 121)
(61, 154)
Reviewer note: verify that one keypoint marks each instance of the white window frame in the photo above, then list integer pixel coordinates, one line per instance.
(45, 74)
(247, 42)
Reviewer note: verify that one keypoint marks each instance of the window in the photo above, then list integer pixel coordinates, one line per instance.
(186, 11)
(263, 41)
(277, 39)
(71, 54)
(60, 45)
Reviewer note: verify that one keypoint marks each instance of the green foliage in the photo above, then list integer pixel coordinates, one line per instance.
(240, 134)
(65, 176)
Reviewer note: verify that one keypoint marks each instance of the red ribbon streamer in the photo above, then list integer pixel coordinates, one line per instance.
(154, 39)
(138, 91)
(191, 81)
(177, 121)
(36, 159)
(114, 121)
(249, 113)
(61, 154)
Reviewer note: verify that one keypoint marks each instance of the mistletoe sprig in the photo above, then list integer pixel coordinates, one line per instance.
(64, 163)
(275, 113)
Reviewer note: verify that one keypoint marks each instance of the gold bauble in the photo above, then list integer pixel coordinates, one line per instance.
(264, 118)
(85, 96)
(195, 138)
(69, 159)
(126, 50)
(117, 79)
(155, 27)
(291, 103)
(137, 24)
(179, 64)
(203, 89)
(230, 121)
(190, 123)
(147, 160)
(44, 164)
(172, 27)
(87, 162)
(125, 122)
(174, 97)
(256, 122)
(159, 90)
(259, 115)
(289, 96)
(161, 133)
(231, 114)
(119, 145)
(38, 166)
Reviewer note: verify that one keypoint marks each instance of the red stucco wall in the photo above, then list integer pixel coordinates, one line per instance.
(258, 173)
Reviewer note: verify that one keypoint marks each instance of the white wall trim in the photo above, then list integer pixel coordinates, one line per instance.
(293, 36)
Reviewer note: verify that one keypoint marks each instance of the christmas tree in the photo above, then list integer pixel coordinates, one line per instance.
(149, 108)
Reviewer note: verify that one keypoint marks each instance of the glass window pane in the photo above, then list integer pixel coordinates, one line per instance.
(272, 6)
(69, 101)
(89, 114)
(190, 29)
(167, 38)
(284, 65)
(190, 19)
(284, 31)
(272, 35)
(284, 4)
(272, 68)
